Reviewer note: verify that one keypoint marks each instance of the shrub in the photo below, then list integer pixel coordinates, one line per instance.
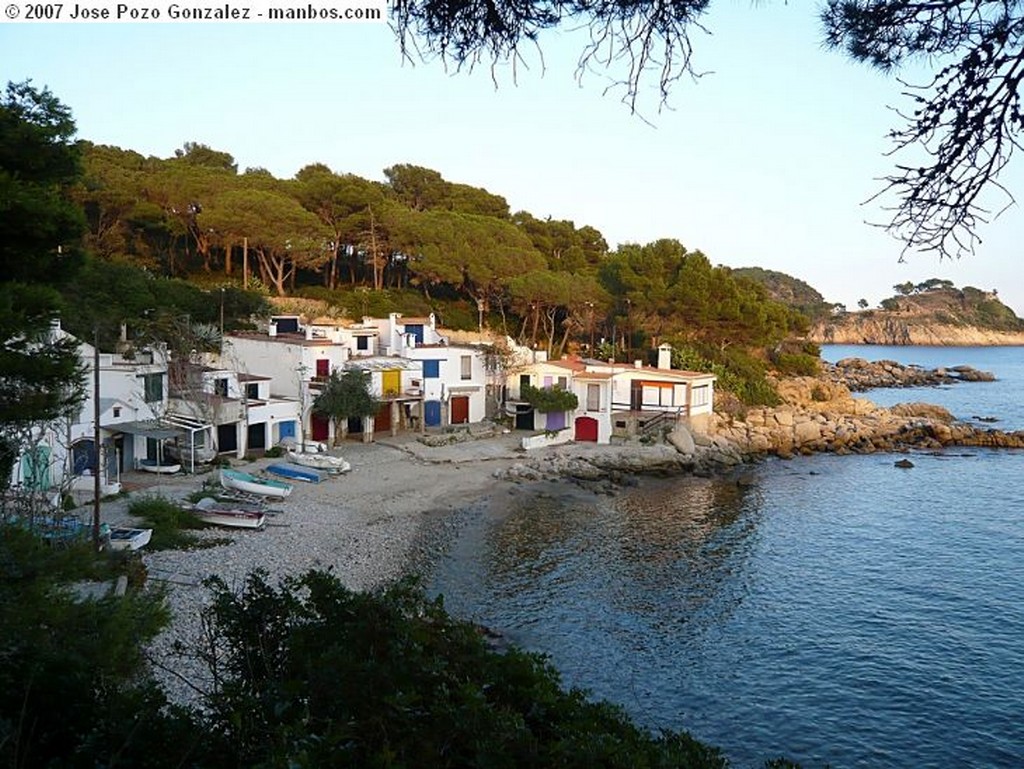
(550, 399)
(314, 674)
(170, 524)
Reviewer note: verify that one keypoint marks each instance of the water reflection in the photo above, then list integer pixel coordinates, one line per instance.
(563, 571)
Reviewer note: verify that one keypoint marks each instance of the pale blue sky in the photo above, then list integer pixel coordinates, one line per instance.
(765, 161)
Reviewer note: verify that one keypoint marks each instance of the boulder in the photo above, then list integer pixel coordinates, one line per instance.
(682, 439)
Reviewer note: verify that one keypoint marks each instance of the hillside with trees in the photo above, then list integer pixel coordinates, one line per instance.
(220, 242)
(788, 290)
(931, 312)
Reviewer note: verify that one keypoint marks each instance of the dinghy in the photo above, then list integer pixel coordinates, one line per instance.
(321, 461)
(295, 473)
(252, 484)
(227, 514)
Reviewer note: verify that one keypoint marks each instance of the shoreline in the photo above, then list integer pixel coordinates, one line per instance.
(400, 508)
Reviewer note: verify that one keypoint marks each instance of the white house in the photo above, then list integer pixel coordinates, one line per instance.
(132, 400)
(241, 413)
(614, 399)
(421, 380)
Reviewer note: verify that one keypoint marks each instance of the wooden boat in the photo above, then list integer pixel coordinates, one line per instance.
(128, 538)
(252, 484)
(295, 473)
(320, 461)
(152, 466)
(228, 514)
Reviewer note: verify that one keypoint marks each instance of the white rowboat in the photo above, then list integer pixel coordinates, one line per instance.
(252, 484)
(325, 462)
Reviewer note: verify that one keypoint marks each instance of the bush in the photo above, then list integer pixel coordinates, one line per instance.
(549, 399)
(317, 675)
(170, 524)
(71, 691)
(274, 452)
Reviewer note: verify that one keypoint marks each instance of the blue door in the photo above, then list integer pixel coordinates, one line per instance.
(286, 430)
(432, 413)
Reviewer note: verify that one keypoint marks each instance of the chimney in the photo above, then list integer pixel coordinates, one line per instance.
(664, 356)
(272, 329)
(638, 364)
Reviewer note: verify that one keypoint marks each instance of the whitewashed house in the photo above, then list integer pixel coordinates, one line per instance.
(132, 403)
(239, 409)
(614, 399)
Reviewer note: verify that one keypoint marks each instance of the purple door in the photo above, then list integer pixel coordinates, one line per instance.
(556, 420)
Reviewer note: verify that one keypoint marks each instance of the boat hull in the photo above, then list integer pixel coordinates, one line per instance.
(150, 466)
(295, 473)
(224, 514)
(325, 462)
(127, 538)
(250, 484)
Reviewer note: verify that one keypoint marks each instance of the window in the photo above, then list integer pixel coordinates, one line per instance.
(593, 397)
(467, 367)
(252, 391)
(117, 412)
(153, 388)
(562, 383)
(220, 387)
(699, 396)
(431, 369)
(362, 343)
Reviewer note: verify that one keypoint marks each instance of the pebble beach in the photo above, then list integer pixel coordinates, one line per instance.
(387, 517)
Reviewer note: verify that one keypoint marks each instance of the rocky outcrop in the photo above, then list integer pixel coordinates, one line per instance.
(859, 374)
(809, 423)
(882, 328)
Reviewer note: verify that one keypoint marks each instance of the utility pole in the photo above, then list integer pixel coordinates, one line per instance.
(96, 437)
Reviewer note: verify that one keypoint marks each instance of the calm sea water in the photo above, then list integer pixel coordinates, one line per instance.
(837, 610)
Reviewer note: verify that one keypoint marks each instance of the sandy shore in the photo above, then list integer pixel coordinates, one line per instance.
(370, 526)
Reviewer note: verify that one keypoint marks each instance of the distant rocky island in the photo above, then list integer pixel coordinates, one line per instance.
(934, 312)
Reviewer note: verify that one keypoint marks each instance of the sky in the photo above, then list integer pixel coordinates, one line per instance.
(766, 160)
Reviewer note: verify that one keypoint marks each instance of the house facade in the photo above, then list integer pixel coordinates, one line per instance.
(615, 400)
(420, 380)
(131, 401)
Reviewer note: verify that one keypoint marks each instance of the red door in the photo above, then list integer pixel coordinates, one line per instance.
(382, 419)
(460, 409)
(586, 429)
(321, 427)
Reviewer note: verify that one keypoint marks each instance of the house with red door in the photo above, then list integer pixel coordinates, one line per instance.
(615, 400)
(420, 379)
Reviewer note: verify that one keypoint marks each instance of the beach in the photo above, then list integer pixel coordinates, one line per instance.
(380, 521)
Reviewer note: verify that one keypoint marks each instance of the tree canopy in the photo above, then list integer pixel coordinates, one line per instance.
(41, 378)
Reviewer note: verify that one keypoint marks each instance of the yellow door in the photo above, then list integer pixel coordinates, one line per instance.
(391, 381)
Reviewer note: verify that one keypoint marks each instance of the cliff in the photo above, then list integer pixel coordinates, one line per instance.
(944, 316)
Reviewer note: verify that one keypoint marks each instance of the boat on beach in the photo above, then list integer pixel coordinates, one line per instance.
(319, 461)
(253, 484)
(128, 538)
(164, 468)
(295, 473)
(229, 514)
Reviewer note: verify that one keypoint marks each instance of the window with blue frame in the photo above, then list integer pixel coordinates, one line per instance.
(431, 369)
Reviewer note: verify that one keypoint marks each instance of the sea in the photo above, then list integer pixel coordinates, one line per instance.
(837, 611)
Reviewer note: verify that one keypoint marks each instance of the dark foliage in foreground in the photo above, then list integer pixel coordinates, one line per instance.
(316, 675)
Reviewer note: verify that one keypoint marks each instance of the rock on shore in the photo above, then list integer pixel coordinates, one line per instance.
(825, 417)
(858, 374)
